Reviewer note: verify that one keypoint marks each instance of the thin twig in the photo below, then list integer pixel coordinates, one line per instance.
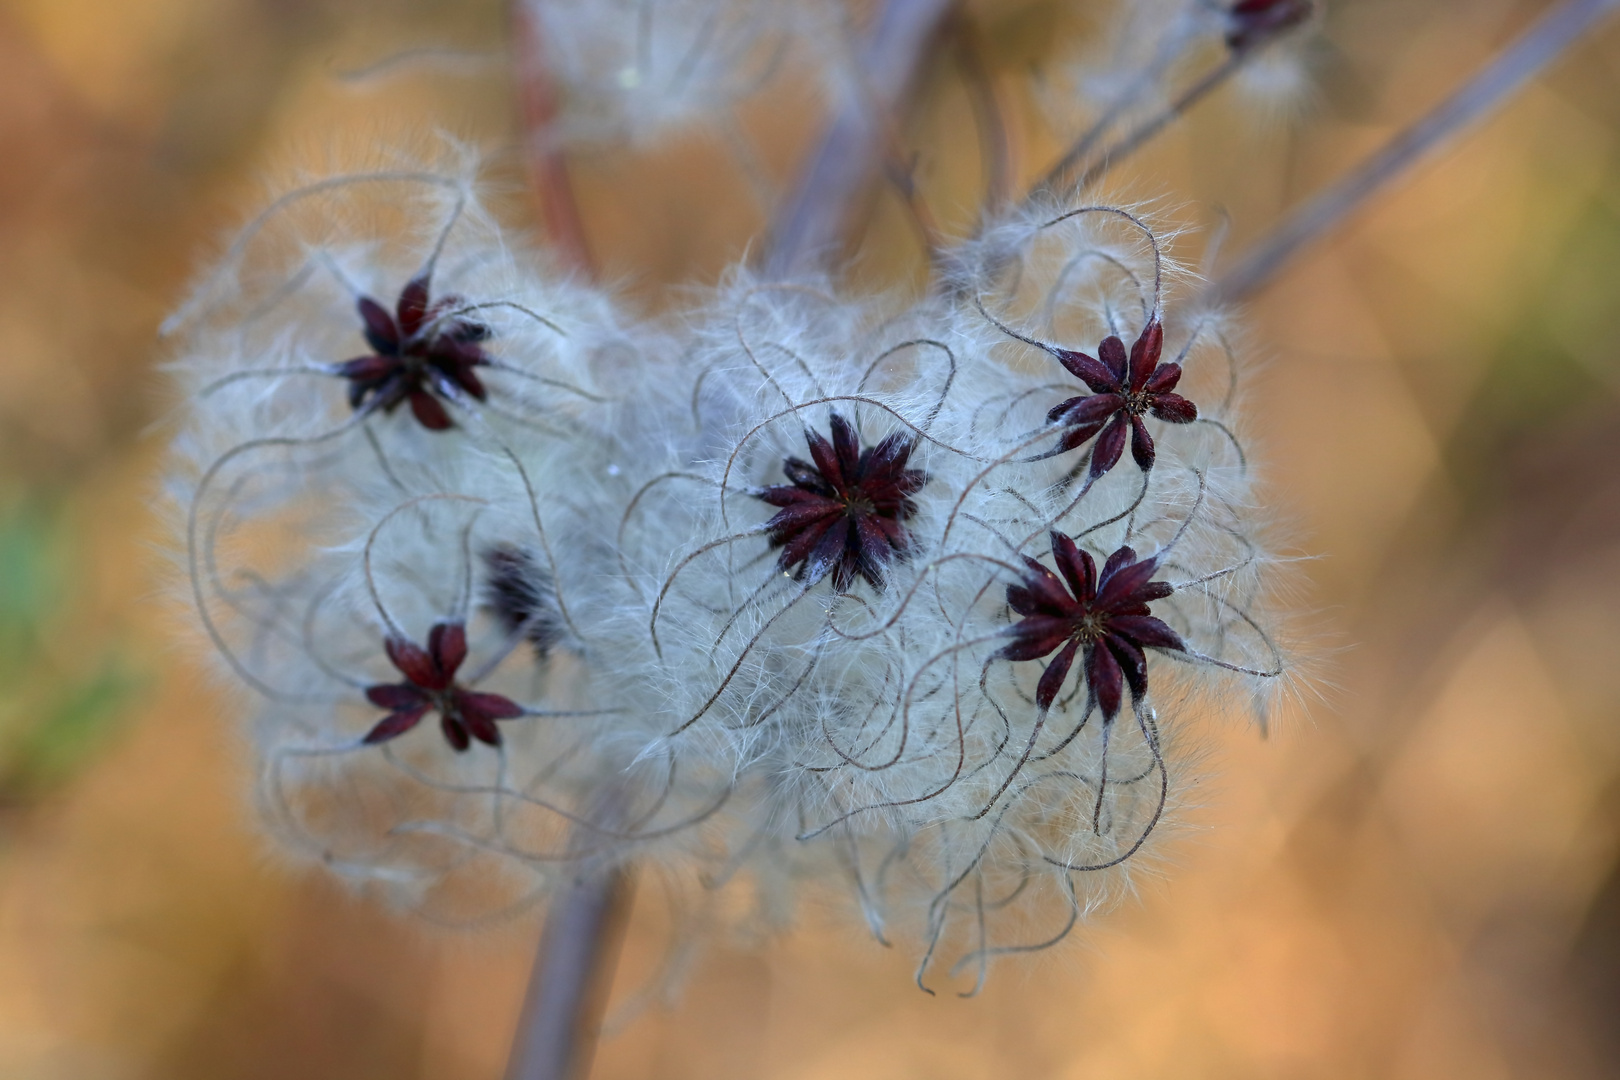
(1536, 48)
(1167, 52)
(562, 1011)
(1148, 129)
(548, 169)
(817, 216)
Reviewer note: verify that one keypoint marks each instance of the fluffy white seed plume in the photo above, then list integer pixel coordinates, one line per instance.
(639, 70)
(831, 573)
(360, 367)
(1155, 59)
(789, 592)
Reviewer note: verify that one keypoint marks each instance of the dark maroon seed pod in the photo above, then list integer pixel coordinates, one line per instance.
(1104, 615)
(846, 513)
(1252, 21)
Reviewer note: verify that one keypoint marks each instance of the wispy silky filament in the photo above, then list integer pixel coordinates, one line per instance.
(819, 587)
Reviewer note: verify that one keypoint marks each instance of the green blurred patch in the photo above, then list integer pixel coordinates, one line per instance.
(1558, 365)
(58, 707)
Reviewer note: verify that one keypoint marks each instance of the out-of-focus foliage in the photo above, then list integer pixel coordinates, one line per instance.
(57, 710)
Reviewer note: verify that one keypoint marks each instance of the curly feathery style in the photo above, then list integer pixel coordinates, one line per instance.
(697, 645)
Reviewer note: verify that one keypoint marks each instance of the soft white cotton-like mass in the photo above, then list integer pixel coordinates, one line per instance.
(659, 667)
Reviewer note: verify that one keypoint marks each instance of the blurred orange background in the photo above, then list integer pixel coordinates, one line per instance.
(1416, 876)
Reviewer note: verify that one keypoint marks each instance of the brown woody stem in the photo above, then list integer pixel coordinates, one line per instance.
(548, 169)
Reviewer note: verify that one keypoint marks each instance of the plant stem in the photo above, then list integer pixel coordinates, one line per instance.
(1144, 132)
(816, 217)
(1057, 176)
(1543, 43)
(548, 169)
(573, 970)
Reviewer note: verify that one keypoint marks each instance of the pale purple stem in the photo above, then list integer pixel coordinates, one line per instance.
(557, 1029)
(816, 218)
(1536, 48)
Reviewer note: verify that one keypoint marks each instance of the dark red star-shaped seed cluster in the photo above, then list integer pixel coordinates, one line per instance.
(1252, 21)
(430, 685)
(1107, 616)
(1124, 389)
(421, 352)
(846, 513)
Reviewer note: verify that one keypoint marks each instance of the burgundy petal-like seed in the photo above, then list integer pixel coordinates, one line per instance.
(804, 475)
(1047, 589)
(1106, 680)
(1046, 691)
(911, 481)
(428, 412)
(471, 383)
(1112, 353)
(1021, 600)
(367, 367)
(1114, 625)
(1122, 586)
(847, 447)
(1088, 369)
(414, 662)
(395, 725)
(412, 308)
(1056, 412)
(1254, 20)
(1164, 379)
(481, 728)
(1078, 436)
(1154, 590)
(1131, 660)
(1110, 445)
(380, 328)
(875, 549)
(1147, 631)
(889, 456)
(447, 644)
(1087, 410)
(802, 515)
(1174, 409)
(1145, 354)
(829, 554)
(799, 547)
(454, 733)
(1043, 625)
(1035, 646)
(1141, 444)
(493, 706)
(396, 696)
(790, 495)
(826, 459)
(1077, 567)
(1122, 557)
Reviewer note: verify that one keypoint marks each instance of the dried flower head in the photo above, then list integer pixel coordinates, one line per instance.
(522, 595)
(845, 514)
(1108, 617)
(598, 527)
(430, 684)
(423, 351)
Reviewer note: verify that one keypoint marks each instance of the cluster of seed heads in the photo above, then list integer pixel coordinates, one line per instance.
(804, 587)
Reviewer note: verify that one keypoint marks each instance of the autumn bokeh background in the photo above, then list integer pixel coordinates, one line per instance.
(1418, 876)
